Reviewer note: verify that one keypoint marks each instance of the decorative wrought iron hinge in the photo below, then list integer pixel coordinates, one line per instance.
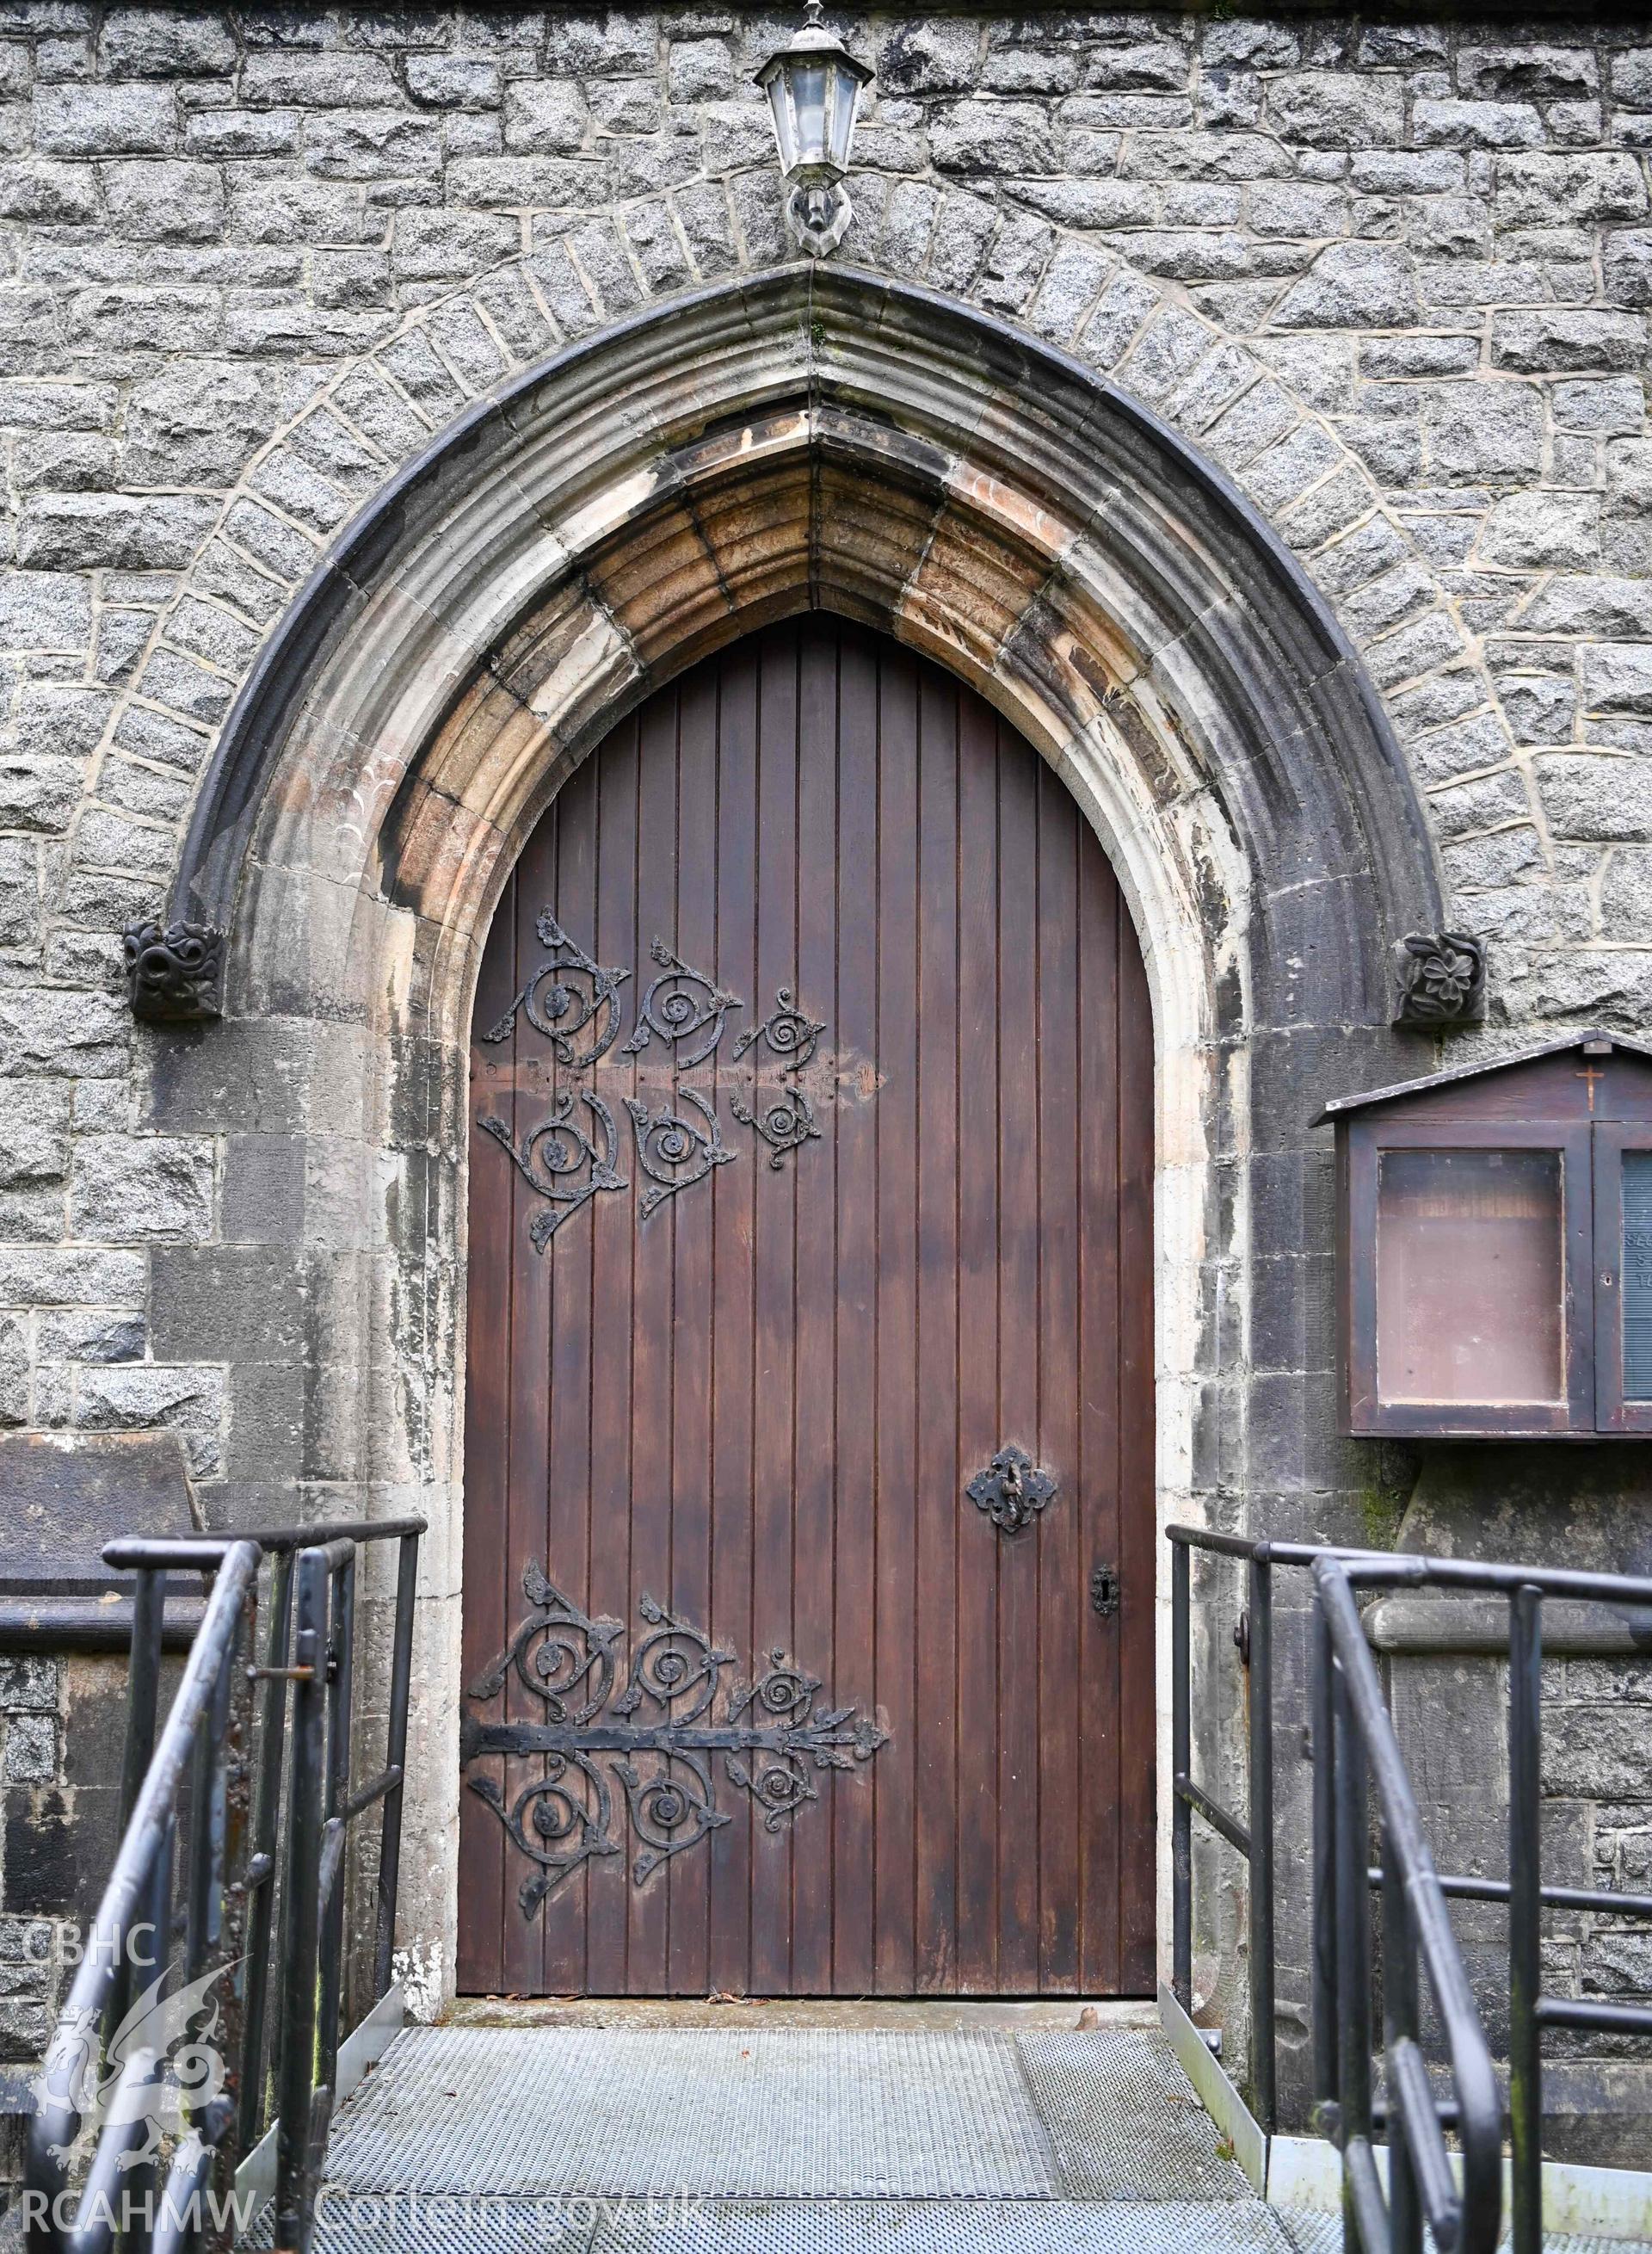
(555, 1006)
(663, 1737)
(173, 970)
(683, 1008)
(1011, 1490)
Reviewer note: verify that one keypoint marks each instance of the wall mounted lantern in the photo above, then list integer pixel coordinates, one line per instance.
(1494, 1248)
(814, 90)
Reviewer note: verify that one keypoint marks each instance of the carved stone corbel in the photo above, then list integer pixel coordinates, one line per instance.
(172, 970)
(1439, 980)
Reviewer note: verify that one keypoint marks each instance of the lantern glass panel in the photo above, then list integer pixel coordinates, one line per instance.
(1636, 1268)
(811, 82)
(1470, 1276)
(840, 121)
(779, 101)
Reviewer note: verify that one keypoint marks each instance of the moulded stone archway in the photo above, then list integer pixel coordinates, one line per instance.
(798, 438)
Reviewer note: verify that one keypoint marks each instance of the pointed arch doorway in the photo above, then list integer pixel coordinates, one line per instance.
(811, 1164)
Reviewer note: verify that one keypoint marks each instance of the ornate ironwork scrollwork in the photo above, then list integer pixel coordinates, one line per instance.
(562, 1012)
(172, 970)
(1011, 1490)
(682, 1005)
(786, 1032)
(663, 1735)
(558, 1149)
(672, 1151)
(782, 1118)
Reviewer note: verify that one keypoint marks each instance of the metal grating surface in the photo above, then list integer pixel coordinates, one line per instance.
(1029, 2226)
(793, 2113)
(1313, 2232)
(1124, 2120)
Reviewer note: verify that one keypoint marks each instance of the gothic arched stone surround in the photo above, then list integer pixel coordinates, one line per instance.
(793, 438)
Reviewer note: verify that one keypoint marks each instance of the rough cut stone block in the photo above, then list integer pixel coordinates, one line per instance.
(1353, 285)
(1525, 70)
(994, 136)
(1617, 677)
(1337, 109)
(92, 531)
(142, 1189)
(1629, 267)
(1610, 407)
(1477, 124)
(1542, 531)
(316, 81)
(166, 43)
(1592, 795)
(1547, 190)
(43, 1029)
(936, 57)
(1483, 430)
(44, 610)
(165, 201)
(454, 81)
(131, 1396)
(1549, 341)
(49, 194)
(105, 120)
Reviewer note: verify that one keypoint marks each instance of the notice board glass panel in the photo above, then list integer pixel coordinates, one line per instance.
(1470, 1276)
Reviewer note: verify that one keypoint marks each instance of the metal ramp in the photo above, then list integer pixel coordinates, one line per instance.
(486, 2139)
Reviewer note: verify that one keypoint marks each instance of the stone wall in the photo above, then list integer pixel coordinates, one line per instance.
(1394, 278)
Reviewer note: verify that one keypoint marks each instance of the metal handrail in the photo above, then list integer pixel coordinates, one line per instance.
(1353, 1734)
(1341, 1984)
(142, 1876)
(235, 1866)
(1254, 1839)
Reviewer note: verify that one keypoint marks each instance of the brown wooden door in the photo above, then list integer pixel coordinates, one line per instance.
(759, 1699)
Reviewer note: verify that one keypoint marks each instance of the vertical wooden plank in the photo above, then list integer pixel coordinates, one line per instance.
(854, 1644)
(892, 1779)
(561, 1277)
(522, 1972)
(613, 772)
(1138, 1530)
(938, 1486)
(1064, 1558)
(687, 1876)
(774, 1270)
(1018, 1277)
(486, 1876)
(1099, 1285)
(658, 813)
(729, 1848)
(976, 1813)
(814, 1168)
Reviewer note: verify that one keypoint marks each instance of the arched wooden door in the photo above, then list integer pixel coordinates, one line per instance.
(810, 1170)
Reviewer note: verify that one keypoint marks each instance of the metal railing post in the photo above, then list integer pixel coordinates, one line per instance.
(1353, 1956)
(1181, 1835)
(308, 1790)
(1323, 1738)
(1401, 2024)
(396, 1761)
(340, 1711)
(1263, 2083)
(142, 1700)
(261, 1870)
(1525, 1881)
